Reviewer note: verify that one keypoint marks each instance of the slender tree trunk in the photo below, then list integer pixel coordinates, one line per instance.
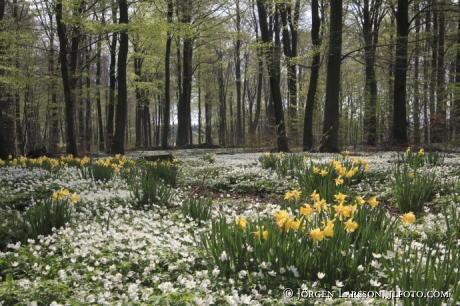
(399, 109)
(239, 125)
(68, 73)
(290, 22)
(112, 81)
(457, 85)
(312, 87)
(98, 95)
(208, 117)
(440, 127)
(416, 113)
(272, 56)
(370, 33)
(88, 129)
(331, 110)
(167, 107)
(222, 106)
(138, 61)
(434, 66)
(426, 63)
(122, 103)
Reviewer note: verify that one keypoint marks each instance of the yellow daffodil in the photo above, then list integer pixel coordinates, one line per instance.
(408, 218)
(366, 167)
(316, 235)
(315, 196)
(10, 157)
(408, 150)
(373, 202)
(264, 233)
(241, 222)
(328, 231)
(323, 173)
(346, 152)
(267, 154)
(338, 181)
(305, 158)
(421, 152)
(350, 226)
(280, 155)
(74, 198)
(296, 193)
(411, 175)
(351, 210)
(340, 198)
(307, 210)
(341, 211)
(360, 201)
(54, 196)
(320, 205)
(291, 224)
(288, 196)
(63, 193)
(350, 174)
(315, 170)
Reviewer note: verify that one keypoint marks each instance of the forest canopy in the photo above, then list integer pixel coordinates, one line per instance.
(109, 75)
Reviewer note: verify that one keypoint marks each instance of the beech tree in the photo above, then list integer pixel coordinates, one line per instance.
(331, 108)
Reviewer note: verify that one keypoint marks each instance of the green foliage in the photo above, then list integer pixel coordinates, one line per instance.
(289, 244)
(418, 268)
(420, 159)
(43, 218)
(412, 190)
(197, 209)
(148, 191)
(166, 171)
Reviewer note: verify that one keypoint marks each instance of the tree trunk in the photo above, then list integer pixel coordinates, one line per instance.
(208, 117)
(118, 142)
(331, 109)
(88, 129)
(239, 125)
(399, 109)
(440, 119)
(457, 85)
(290, 23)
(416, 112)
(98, 95)
(167, 107)
(370, 33)
(112, 81)
(272, 56)
(68, 73)
(183, 110)
(312, 87)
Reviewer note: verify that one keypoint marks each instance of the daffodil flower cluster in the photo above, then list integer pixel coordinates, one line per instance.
(65, 193)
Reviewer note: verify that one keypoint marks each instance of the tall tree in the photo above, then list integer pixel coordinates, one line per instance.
(68, 69)
(183, 109)
(4, 149)
(400, 81)
(272, 58)
(314, 75)
(167, 95)
(370, 11)
(290, 20)
(118, 141)
(331, 108)
(112, 80)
